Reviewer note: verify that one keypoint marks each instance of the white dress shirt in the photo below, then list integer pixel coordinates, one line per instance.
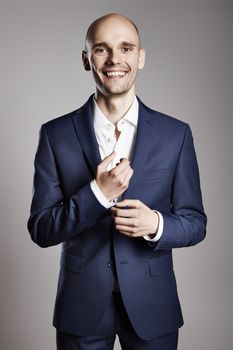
(124, 147)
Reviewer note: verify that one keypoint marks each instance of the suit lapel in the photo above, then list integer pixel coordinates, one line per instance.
(83, 123)
(147, 134)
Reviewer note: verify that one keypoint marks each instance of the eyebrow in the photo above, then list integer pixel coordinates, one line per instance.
(125, 43)
(104, 44)
(99, 44)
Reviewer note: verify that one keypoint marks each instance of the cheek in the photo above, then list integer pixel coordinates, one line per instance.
(95, 63)
(134, 64)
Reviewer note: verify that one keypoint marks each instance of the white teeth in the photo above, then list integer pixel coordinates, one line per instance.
(109, 74)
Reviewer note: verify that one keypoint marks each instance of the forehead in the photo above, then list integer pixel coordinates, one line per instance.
(113, 31)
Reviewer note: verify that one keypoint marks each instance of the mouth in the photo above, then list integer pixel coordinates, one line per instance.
(114, 73)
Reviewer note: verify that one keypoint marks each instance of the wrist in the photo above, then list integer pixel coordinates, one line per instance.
(100, 195)
(155, 224)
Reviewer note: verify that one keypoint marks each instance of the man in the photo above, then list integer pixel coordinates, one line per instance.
(117, 184)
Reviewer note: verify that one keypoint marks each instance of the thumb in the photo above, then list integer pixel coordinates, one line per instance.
(107, 160)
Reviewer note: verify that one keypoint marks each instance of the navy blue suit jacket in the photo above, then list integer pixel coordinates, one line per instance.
(65, 210)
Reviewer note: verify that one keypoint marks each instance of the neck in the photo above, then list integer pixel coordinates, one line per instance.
(114, 107)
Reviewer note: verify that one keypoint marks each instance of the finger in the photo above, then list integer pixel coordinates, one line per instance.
(127, 230)
(124, 213)
(129, 222)
(130, 234)
(107, 160)
(129, 174)
(132, 203)
(121, 180)
(120, 167)
(124, 178)
(126, 233)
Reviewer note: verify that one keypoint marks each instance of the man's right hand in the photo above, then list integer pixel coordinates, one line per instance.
(114, 182)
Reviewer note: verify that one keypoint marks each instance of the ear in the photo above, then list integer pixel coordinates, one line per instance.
(85, 60)
(142, 58)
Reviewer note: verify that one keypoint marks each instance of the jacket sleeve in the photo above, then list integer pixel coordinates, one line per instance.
(185, 224)
(54, 219)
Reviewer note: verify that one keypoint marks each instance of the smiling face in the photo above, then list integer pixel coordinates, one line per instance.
(114, 55)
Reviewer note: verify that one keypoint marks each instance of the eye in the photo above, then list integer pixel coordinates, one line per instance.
(100, 50)
(126, 49)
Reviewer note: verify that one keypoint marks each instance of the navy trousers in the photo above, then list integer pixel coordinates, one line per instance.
(115, 321)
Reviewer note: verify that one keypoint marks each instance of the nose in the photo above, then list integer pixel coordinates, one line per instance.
(113, 57)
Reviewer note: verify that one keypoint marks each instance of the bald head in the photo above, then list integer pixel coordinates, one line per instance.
(112, 17)
(114, 55)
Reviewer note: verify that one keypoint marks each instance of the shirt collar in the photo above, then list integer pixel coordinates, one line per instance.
(100, 120)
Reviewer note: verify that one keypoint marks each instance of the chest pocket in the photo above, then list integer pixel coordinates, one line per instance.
(156, 176)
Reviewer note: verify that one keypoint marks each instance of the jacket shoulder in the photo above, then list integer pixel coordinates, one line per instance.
(165, 120)
(64, 120)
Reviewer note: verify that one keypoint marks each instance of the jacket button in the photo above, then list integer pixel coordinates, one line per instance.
(109, 265)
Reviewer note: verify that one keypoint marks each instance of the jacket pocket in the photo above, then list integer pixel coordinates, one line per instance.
(72, 263)
(160, 265)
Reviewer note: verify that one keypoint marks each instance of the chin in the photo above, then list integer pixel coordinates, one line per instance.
(116, 91)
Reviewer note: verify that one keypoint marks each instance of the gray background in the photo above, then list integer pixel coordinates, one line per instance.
(188, 74)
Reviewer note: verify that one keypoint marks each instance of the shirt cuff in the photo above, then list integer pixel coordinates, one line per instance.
(100, 196)
(159, 231)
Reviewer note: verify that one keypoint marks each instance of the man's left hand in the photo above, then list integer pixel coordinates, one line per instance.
(135, 219)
